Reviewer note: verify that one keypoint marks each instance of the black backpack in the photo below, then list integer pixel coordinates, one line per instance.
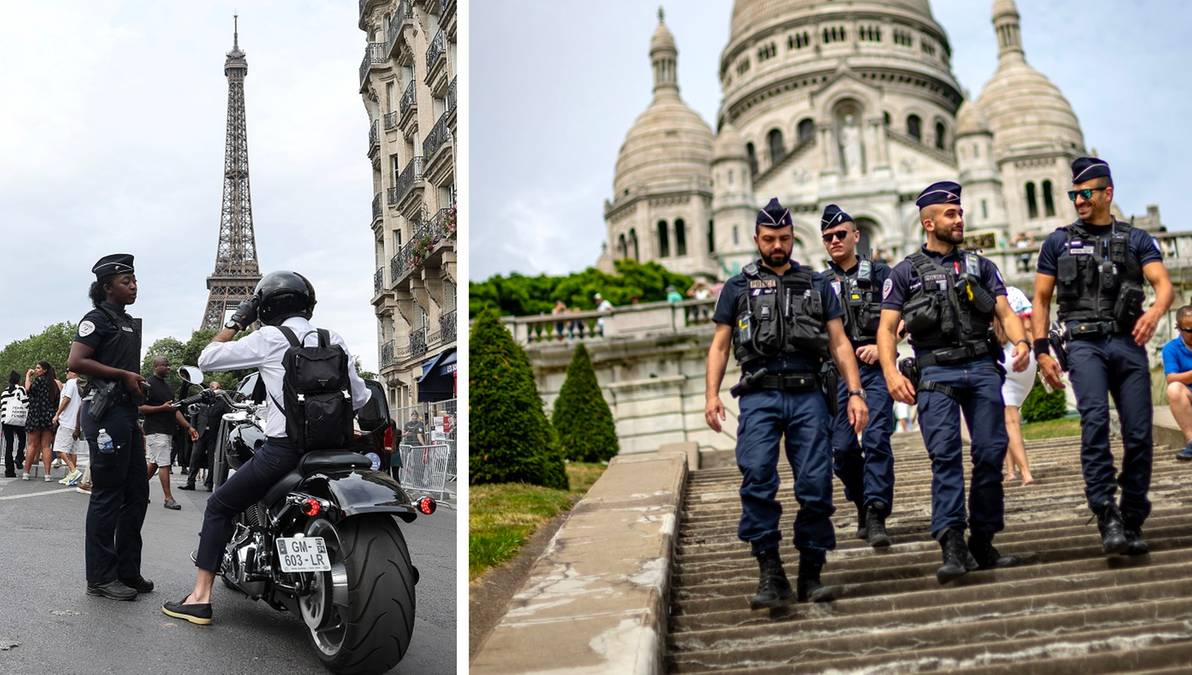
(317, 393)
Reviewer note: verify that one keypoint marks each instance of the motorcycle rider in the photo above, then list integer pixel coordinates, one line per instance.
(280, 299)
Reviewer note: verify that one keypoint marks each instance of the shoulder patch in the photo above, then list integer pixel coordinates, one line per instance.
(1155, 241)
(886, 288)
(86, 328)
(997, 272)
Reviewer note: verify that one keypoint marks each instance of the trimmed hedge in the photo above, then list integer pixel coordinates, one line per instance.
(511, 439)
(581, 416)
(1040, 405)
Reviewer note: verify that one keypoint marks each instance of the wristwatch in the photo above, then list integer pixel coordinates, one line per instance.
(860, 393)
(232, 324)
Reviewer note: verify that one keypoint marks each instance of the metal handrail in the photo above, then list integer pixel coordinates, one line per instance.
(436, 50)
(410, 176)
(390, 120)
(438, 136)
(374, 54)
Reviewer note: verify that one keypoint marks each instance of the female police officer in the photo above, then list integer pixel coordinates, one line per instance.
(107, 352)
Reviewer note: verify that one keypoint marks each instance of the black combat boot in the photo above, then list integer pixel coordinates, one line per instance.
(1113, 534)
(1134, 543)
(808, 583)
(876, 522)
(957, 559)
(981, 548)
(862, 525)
(773, 588)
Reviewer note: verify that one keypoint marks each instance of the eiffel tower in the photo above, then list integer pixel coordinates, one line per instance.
(236, 272)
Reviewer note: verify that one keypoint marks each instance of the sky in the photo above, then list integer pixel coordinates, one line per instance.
(112, 140)
(556, 86)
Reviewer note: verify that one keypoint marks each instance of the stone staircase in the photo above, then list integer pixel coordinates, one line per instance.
(1071, 609)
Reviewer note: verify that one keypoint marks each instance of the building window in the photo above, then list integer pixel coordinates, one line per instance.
(805, 131)
(711, 237)
(752, 158)
(886, 118)
(834, 34)
(914, 127)
(940, 135)
(870, 33)
(984, 210)
(663, 240)
(1048, 200)
(680, 238)
(798, 40)
(633, 242)
(902, 37)
(1032, 206)
(736, 236)
(622, 248)
(774, 142)
(743, 66)
(766, 52)
(397, 239)
(928, 48)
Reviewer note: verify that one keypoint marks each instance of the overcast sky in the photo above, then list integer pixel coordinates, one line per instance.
(112, 140)
(556, 85)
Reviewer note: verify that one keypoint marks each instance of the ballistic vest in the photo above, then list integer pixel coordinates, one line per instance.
(778, 315)
(1098, 278)
(950, 309)
(861, 297)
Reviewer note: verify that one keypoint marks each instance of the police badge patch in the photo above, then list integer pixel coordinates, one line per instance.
(86, 328)
(887, 287)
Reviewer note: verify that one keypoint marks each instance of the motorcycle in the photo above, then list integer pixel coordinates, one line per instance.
(324, 542)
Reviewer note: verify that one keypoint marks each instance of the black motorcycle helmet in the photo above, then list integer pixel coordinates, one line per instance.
(281, 295)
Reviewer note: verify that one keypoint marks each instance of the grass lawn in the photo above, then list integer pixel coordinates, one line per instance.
(1065, 426)
(502, 517)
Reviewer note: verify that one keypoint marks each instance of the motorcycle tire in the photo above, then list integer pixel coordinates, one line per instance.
(379, 617)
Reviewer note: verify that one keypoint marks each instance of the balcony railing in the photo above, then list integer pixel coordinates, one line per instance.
(405, 11)
(410, 175)
(391, 196)
(409, 102)
(418, 343)
(439, 134)
(447, 327)
(376, 207)
(390, 121)
(436, 50)
(374, 138)
(442, 225)
(388, 357)
(397, 265)
(378, 280)
(443, 5)
(374, 54)
(451, 95)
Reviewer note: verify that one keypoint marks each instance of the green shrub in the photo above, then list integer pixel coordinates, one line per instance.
(1041, 405)
(581, 415)
(511, 439)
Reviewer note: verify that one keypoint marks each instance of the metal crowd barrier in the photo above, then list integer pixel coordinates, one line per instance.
(424, 468)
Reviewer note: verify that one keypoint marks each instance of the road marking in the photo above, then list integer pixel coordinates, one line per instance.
(36, 494)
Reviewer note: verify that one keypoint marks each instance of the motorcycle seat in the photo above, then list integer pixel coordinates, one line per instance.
(313, 462)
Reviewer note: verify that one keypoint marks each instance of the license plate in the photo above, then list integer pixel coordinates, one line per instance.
(303, 554)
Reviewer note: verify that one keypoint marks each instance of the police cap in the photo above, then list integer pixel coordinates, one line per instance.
(774, 215)
(1088, 168)
(833, 216)
(943, 192)
(111, 265)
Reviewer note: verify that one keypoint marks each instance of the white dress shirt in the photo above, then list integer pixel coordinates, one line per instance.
(263, 350)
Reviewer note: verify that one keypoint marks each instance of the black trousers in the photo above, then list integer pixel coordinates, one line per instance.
(12, 432)
(269, 464)
(119, 496)
(200, 458)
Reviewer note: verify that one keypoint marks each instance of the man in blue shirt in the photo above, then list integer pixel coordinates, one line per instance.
(1177, 365)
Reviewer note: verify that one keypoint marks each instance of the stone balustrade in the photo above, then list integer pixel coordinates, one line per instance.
(652, 318)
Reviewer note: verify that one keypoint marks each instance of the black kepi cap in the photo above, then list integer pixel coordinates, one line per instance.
(774, 215)
(943, 192)
(111, 265)
(833, 216)
(1088, 168)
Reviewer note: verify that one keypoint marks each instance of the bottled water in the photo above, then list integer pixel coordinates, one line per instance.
(105, 442)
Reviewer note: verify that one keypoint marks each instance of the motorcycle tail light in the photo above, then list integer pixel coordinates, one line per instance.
(310, 507)
(388, 436)
(427, 505)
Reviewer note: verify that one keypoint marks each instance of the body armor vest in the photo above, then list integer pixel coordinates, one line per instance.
(779, 315)
(949, 310)
(1098, 278)
(862, 304)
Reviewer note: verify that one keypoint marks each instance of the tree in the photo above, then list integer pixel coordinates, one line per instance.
(581, 416)
(511, 439)
(52, 345)
(170, 348)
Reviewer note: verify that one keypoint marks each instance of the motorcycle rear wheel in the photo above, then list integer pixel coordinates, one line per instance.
(371, 632)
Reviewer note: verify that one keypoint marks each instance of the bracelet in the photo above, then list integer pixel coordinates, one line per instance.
(1042, 346)
(1022, 342)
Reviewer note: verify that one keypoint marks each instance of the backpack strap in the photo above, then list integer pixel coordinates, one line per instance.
(324, 338)
(285, 330)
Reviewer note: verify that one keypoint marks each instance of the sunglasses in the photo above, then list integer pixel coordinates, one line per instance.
(1087, 193)
(838, 235)
(1185, 330)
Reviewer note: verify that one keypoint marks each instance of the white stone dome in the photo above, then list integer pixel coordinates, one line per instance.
(970, 119)
(729, 144)
(748, 15)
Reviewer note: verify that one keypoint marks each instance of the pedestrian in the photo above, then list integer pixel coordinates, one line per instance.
(948, 298)
(161, 420)
(1096, 267)
(1177, 366)
(43, 401)
(1016, 388)
(905, 414)
(865, 468)
(285, 302)
(559, 310)
(14, 410)
(414, 432)
(673, 295)
(602, 305)
(207, 422)
(107, 351)
(66, 438)
(781, 320)
(1023, 241)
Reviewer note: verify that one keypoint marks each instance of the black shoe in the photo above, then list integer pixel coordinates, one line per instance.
(877, 536)
(862, 527)
(140, 584)
(198, 614)
(808, 583)
(773, 588)
(183, 471)
(986, 556)
(1113, 531)
(956, 556)
(1134, 543)
(113, 590)
(9, 474)
(186, 486)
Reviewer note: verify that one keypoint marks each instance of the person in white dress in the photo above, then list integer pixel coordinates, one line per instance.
(1015, 390)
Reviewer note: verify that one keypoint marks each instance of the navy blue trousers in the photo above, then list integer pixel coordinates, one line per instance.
(867, 468)
(1097, 369)
(269, 464)
(119, 496)
(802, 417)
(978, 384)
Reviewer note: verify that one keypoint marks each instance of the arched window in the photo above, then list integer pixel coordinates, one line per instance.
(736, 236)
(805, 132)
(1032, 206)
(633, 242)
(886, 117)
(680, 237)
(1048, 200)
(622, 248)
(939, 135)
(663, 240)
(914, 127)
(711, 236)
(774, 142)
(749, 150)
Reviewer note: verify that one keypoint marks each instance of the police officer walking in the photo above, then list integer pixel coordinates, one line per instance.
(107, 351)
(1096, 267)
(781, 320)
(867, 468)
(948, 298)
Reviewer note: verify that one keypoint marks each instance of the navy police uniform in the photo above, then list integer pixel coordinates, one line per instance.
(947, 304)
(119, 490)
(1099, 290)
(865, 468)
(780, 396)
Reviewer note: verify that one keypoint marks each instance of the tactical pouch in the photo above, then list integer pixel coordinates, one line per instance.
(983, 301)
(829, 380)
(767, 326)
(909, 368)
(1119, 247)
(1067, 269)
(924, 315)
(1128, 307)
(104, 394)
(1108, 273)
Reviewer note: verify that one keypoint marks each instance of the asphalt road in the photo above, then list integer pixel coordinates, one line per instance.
(49, 625)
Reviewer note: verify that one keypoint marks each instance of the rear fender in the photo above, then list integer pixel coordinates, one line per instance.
(358, 492)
